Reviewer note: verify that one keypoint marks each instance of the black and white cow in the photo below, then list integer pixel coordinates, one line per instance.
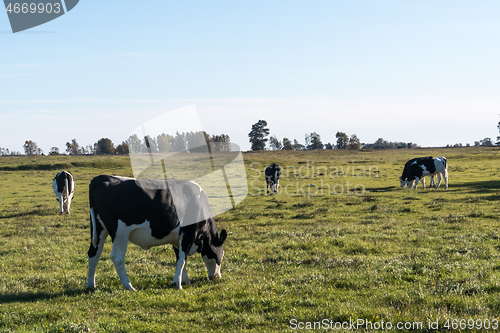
(406, 171)
(149, 213)
(420, 169)
(64, 188)
(272, 174)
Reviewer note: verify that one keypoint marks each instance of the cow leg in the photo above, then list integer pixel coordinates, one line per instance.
(433, 183)
(185, 243)
(118, 252)
(267, 186)
(61, 202)
(277, 185)
(416, 183)
(423, 183)
(440, 178)
(185, 278)
(65, 204)
(94, 255)
(181, 263)
(68, 204)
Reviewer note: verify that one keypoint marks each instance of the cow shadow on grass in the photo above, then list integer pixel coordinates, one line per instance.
(382, 189)
(28, 297)
(483, 187)
(38, 211)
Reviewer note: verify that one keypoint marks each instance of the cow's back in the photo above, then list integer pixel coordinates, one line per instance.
(114, 199)
(406, 169)
(270, 170)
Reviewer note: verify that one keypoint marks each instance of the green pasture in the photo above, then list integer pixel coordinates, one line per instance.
(341, 242)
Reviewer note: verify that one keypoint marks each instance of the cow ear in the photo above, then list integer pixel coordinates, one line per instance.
(223, 235)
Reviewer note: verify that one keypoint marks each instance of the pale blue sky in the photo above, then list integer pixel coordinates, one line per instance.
(426, 71)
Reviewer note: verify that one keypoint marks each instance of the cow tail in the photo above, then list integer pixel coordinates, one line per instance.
(94, 229)
(66, 189)
(93, 224)
(445, 164)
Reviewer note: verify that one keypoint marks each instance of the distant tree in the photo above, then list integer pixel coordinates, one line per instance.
(287, 144)
(30, 148)
(313, 141)
(274, 143)
(498, 137)
(163, 143)
(477, 143)
(90, 150)
(179, 143)
(329, 146)
(104, 147)
(221, 142)
(257, 135)
(4, 151)
(135, 144)
(354, 143)
(54, 151)
(486, 142)
(122, 148)
(380, 144)
(342, 140)
(196, 142)
(297, 145)
(307, 141)
(72, 148)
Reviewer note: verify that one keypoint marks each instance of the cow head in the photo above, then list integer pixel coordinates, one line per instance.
(213, 253)
(402, 182)
(409, 183)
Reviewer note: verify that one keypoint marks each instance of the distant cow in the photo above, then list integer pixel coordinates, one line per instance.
(272, 174)
(406, 171)
(64, 188)
(420, 169)
(149, 213)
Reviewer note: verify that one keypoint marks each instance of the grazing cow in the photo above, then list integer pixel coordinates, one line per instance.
(150, 213)
(406, 171)
(272, 174)
(64, 188)
(420, 169)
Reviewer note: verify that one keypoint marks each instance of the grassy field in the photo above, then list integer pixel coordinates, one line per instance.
(341, 243)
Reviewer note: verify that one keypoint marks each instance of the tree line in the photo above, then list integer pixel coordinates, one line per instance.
(185, 141)
(259, 133)
(258, 139)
